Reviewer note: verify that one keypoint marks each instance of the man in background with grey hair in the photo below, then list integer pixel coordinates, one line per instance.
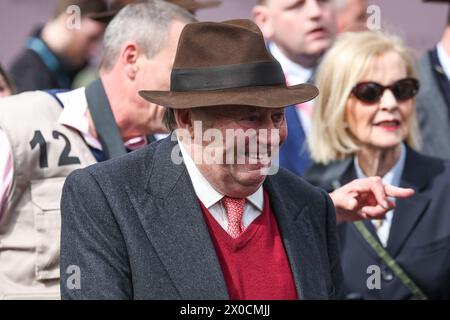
(65, 131)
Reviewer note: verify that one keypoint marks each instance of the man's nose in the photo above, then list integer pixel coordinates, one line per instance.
(269, 137)
(313, 8)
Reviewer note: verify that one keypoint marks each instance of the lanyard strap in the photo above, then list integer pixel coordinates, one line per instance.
(391, 263)
(104, 122)
(39, 47)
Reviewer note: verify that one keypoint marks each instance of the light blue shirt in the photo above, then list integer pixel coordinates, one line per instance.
(392, 177)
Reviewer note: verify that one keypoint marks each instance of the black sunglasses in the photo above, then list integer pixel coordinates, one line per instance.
(371, 92)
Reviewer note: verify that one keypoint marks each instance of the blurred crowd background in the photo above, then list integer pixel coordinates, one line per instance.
(418, 23)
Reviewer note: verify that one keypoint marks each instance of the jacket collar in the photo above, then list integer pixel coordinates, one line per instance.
(172, 219)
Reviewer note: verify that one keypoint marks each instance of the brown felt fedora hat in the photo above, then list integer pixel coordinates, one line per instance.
(193, 5)
(116, 5)
(227, 63)
(113, 9)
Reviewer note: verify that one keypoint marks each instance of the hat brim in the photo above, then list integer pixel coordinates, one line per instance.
(258, 96)
(107, 16)
(104, 17)
(200, 5)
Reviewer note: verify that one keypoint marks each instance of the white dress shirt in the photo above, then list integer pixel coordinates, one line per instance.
(295, 74)
(211, 198)
(444, 59)
(392, 177)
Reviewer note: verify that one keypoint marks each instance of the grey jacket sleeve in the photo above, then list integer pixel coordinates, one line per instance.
(94, 261)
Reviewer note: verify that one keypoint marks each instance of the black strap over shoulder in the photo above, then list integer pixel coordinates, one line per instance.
(104, 122)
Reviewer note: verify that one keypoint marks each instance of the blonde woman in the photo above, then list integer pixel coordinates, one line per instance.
(364, 124)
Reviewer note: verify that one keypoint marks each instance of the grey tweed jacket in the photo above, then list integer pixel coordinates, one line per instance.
(133, 228)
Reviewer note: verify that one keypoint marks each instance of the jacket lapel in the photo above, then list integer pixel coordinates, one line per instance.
(348, 176)
(297, 235)
(409, 211)
(172, 219)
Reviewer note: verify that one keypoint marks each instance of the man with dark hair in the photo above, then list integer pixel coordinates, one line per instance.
(433, 100)
(57, 52)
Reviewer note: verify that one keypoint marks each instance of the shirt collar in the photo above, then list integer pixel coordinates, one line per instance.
(294, 72)
(205, 191)
(444, 59)
(394, 175)
(74, 114)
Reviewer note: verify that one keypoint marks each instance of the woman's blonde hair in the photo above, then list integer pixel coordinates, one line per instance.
(342, 68)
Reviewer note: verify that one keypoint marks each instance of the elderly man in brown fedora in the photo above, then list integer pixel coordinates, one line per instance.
(203, 214)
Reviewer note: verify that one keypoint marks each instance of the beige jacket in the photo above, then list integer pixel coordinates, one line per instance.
(44, 154)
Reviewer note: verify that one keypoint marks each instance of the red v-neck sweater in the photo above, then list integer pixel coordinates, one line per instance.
(254, 265)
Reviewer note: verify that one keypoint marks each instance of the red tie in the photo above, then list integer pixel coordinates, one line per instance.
(234, 208)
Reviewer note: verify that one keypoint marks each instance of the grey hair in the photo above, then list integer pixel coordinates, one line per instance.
(147, 24)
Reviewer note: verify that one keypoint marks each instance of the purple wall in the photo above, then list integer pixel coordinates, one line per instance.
(17, 19)
(420, 24)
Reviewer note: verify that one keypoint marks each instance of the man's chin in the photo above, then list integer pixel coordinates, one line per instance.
(319, 47)
(252, 178)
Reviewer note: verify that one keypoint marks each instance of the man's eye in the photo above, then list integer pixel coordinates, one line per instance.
(278, 117)
(251, 118)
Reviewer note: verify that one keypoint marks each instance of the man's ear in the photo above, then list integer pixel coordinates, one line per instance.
(183, 118)
(261, 16)
(129, 58)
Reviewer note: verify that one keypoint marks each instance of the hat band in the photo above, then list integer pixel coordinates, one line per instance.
(265, 73)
